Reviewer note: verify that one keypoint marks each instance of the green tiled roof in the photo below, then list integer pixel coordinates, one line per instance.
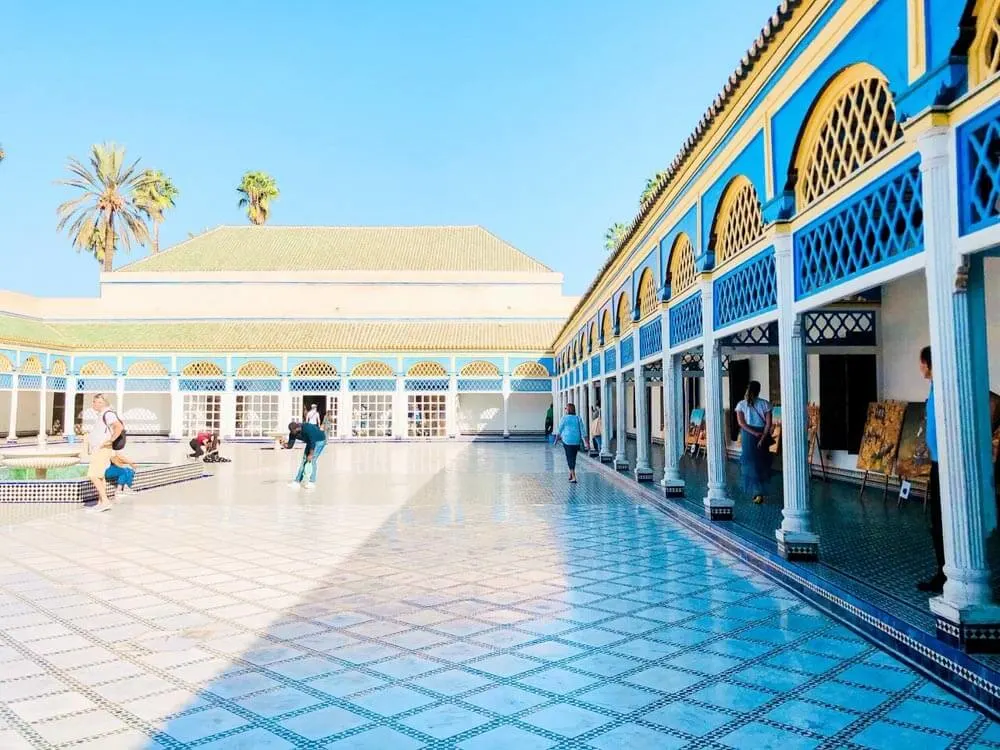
(299, 336)
(251, 248)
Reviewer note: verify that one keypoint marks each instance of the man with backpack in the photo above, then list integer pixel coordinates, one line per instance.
(106, 435)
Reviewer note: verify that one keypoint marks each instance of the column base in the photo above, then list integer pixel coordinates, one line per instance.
(593, 453)
(643, 474)
(607, 458)
(506, 435)
(974, 628)
(673, 488)
(718, 508)
(621, 464)
(797, 545)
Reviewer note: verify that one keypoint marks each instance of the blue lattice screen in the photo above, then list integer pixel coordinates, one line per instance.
(880, 225)
(147, 385)
(103, 385)
(840, 328)
(586, 370)
(530, 385)
(426, 384)
(29, 382)
(595, 365)
(610, 360)
(627, 350)
(651, 338)
(6, 381)
(257, 385)
(372, 385)
(685, 320)
(314, 385)
(202, 384)
(979, 171)
(749, 289)
(487, 385)
(55, 383)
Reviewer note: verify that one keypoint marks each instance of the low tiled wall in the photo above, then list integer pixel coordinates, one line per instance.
(81, 490)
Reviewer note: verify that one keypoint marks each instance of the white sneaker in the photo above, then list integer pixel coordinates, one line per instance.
(310, 485)
(294, 485)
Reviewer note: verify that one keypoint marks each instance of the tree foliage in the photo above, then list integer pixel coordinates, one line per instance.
(257, 190)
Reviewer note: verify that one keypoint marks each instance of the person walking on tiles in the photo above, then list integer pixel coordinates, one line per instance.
(934, 584)
(106, 435)
(315, 440)
(754, 416)
(570, 433)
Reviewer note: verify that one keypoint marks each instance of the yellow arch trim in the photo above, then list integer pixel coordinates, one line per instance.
(257, 369)
(373, 369)
(427, 370)
(5, 364)
(607, 327)
(58, 367)
(32, 366)
(645, 297)
(682, 270)
(624, 315)
(202, 370)
(530, 370)
(984, 53)
(97, 368)
(147, 368)
(480, 369)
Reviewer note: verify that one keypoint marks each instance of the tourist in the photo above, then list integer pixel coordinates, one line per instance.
(328, 424)
(571, 434)
(198, 444)
(754, 416)
(315, 442)
(595, 428)
(549, 421)
(312, 416)
(212, 455)
(121, 473)
(105, 432)
(934, 584)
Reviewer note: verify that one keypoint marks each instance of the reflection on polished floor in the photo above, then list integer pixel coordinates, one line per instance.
(424, 595)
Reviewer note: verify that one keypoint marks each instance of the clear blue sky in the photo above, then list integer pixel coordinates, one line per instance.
(539, 119)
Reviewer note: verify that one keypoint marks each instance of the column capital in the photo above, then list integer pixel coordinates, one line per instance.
(783, 243)
(934, 145)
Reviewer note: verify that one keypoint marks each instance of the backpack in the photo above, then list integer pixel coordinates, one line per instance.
(119, 442)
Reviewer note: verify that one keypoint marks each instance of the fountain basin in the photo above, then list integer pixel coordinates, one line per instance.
(40, 461)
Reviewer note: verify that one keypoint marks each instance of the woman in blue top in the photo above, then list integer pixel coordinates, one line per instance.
(754, 415)
(571, 434)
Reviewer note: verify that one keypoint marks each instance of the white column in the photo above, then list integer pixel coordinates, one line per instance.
(796, 538)
(228, 403)
(176, 408)
(400, 412)
(643, 440)
(452, 407)
(592, 399)
(12, 422)
(506, 405)
(345, 411)
(42, 411)
(956, 312)
(718, 504)
(120, 396)
(69, 412)
(607, 425)
(285, 403)
(621, 460)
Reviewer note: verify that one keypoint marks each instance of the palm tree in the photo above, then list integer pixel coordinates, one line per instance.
(3, 153)
(155, 197)
(614, 236)
(652, 184)
(257, 190)
(105, 214)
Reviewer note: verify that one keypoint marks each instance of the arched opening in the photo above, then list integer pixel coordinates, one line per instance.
(738, 220)
(624, 314)
(682, 274)
(646, 300)
(984, 53)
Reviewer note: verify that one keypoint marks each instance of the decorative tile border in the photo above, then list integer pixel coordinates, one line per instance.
(81, 490)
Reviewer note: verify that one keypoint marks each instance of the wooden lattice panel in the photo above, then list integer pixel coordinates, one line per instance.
(480, 369)
(58, 367)
(373, 369)
(315, 369)
(202, 370)
(739, 222)
(607, 327)
(853, 122)
(31, 366)
(648, 303)
(97, 368)
(427, 370)
(624, 315)
(257, 369)
(593, 338)
(530, 370)
(682, 271)
(5, 364)
(984, 55)
(147, 368)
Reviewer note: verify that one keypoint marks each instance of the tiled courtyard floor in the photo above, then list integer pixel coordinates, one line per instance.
(440, 596)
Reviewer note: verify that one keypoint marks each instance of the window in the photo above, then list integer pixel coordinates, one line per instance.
(371, 415)
(327, 405)
(648, 302)
(256, 415)
(202, 413)
(739, 223)
(426, 415)
(682, 270)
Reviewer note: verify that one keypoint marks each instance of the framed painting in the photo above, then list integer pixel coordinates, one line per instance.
(880, 441)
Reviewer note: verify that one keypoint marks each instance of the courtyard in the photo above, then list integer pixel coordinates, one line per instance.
(440, 595)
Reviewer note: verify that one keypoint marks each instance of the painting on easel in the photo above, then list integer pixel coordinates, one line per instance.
(914, 460)
(695, 431)
(812, 439)
(775, 429)
(880, 441)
